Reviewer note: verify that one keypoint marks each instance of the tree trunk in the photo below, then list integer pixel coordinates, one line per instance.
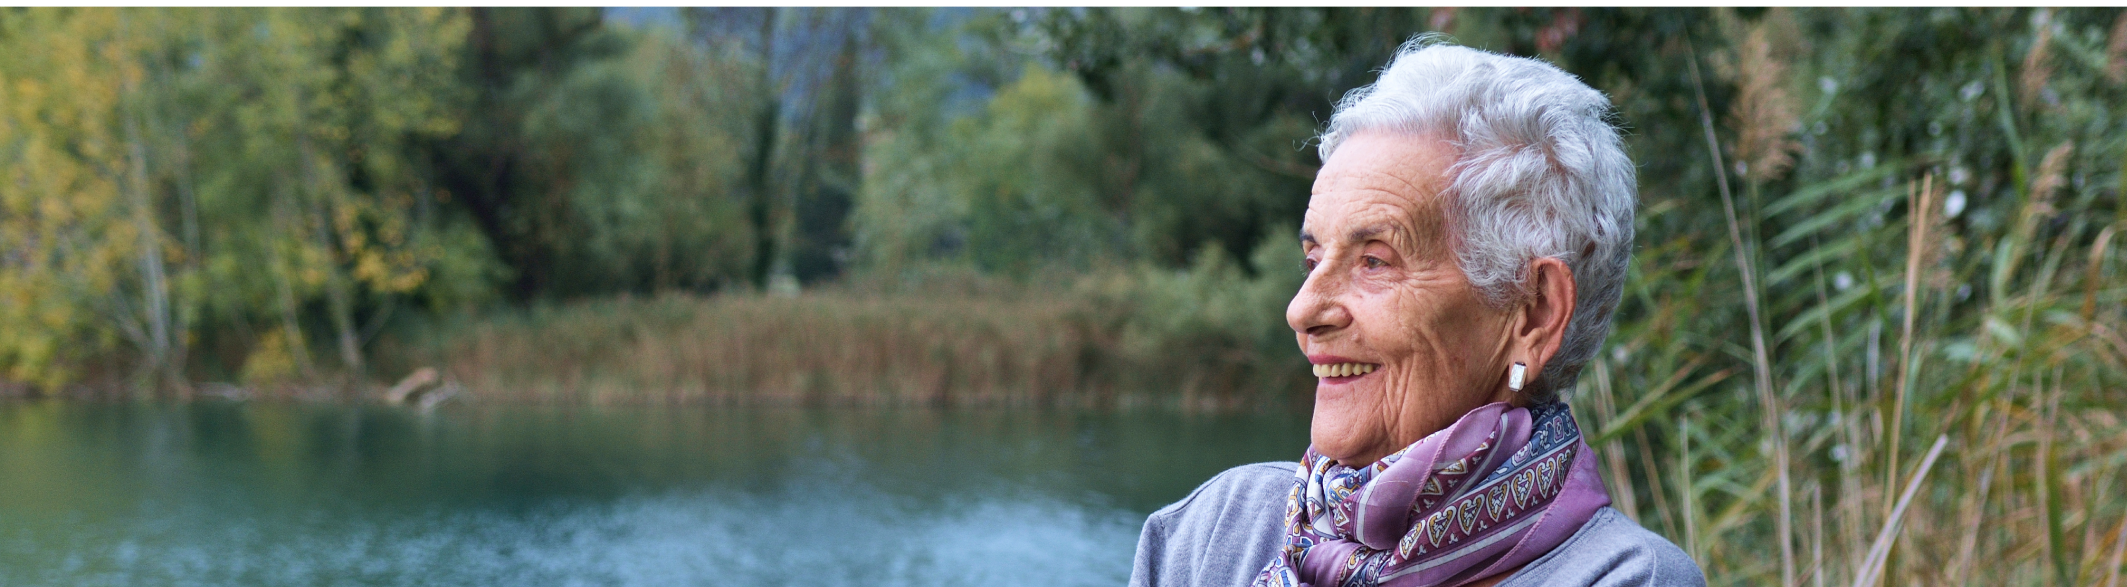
(832, 172)
(339, 294)
(291, 327)
(155, 294)
(767, 127)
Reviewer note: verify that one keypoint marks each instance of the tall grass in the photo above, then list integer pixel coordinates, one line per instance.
(815, 349)
(1192, 339)
(1852, 384)
(2023, 389)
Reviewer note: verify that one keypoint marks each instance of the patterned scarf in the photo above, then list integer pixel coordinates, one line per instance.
(1499, 488)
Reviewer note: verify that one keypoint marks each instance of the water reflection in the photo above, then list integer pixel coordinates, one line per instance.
(248, 494)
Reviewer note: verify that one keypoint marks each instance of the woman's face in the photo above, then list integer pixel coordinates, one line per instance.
(1385, 298)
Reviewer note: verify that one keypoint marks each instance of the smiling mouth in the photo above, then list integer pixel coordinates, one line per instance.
(1335, 370)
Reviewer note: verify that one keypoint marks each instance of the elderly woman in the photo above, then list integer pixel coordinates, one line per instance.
(1466, 241)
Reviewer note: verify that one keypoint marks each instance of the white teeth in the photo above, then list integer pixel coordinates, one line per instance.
(1343, 369)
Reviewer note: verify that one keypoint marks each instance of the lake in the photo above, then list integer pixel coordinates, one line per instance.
(223, 493)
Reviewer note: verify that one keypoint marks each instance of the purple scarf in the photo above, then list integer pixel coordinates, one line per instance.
(1499, 488)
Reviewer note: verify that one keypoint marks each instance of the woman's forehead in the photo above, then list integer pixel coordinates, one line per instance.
(1359, 216)
(1380, 184)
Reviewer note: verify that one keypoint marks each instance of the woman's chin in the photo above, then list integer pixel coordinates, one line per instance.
(1338, 432)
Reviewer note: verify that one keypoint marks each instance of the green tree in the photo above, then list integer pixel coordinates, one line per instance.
(305, 122)
(70, 228)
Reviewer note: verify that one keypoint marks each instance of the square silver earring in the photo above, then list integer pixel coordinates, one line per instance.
(1515, 375)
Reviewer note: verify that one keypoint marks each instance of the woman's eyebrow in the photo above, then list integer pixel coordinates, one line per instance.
(1357, 235)
(1370, 232)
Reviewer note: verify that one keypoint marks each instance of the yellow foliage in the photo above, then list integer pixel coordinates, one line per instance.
(268, 123)
(64, 242)
(272, 360)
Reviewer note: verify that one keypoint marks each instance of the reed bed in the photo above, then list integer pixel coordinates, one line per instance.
(1854, 374)
(808, 349)
(1093, 341)
(2019, 395)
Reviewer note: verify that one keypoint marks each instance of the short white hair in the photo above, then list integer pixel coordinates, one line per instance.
(1540, 172)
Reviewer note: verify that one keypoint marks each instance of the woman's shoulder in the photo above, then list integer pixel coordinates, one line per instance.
(1220, 534)
(1242, 486)
(1611, 549)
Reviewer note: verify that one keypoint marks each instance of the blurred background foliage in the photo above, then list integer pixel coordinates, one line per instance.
(1860, 230)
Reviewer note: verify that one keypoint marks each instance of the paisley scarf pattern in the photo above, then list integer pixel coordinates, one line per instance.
(1497, 489)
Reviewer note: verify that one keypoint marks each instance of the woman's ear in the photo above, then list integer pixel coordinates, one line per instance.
(1540, 323)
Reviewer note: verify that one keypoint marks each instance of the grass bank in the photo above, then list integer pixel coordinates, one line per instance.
(1210, 337)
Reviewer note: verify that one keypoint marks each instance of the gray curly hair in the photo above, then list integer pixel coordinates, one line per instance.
(1541, 173)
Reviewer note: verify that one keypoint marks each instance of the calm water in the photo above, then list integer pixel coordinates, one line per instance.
(260, 494)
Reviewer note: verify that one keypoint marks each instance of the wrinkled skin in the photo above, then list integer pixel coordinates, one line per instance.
(1383, 289)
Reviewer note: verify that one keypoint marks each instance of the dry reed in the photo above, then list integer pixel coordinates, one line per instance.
(994, 344)
(2018, 387)
(810, 349)
(1770, 405)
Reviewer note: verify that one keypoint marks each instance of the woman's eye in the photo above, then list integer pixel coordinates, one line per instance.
(1375, 263)
(1307, 265)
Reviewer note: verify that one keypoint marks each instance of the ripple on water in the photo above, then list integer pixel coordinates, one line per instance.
(206, 494)
(845, 534)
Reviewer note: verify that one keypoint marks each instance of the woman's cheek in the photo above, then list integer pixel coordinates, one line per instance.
(1379, 281)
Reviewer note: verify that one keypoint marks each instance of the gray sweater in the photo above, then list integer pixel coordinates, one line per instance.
(1226, 530)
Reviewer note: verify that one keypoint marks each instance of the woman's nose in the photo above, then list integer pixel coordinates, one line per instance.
(1317, 308)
